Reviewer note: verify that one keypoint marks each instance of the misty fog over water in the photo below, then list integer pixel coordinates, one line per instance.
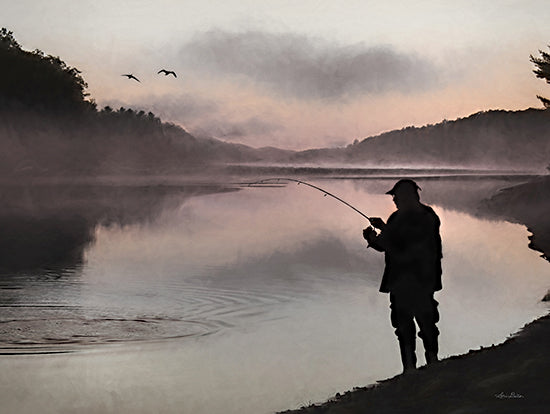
(224, 299)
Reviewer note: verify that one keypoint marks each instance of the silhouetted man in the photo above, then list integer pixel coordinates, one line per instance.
(412, 247)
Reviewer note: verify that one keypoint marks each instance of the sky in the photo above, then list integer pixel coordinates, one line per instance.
(295, 75)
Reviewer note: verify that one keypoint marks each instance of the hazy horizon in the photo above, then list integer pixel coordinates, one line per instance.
(295, 76)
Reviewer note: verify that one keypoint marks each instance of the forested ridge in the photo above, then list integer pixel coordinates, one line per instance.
(49, 125)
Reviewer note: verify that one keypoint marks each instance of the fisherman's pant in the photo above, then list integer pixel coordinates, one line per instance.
(406, 307)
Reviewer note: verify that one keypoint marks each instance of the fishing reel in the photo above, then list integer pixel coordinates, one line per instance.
(369, 233)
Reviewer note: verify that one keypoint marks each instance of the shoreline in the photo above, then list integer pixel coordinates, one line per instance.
(416, 392)
(507, 378)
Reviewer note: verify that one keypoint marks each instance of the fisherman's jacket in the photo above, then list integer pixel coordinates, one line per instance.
(413, 253)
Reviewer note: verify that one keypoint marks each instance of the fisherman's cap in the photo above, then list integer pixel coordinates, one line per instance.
(405, 183)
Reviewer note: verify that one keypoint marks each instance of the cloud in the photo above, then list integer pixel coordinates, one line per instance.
(308, 68)
(181, 108)
(252, 126)
(203, 116)
(184, 107)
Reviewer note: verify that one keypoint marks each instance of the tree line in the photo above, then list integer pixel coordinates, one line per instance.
(50, 125)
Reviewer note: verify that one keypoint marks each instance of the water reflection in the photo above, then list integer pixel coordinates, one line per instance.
(47, 226)
(271, 292)
(99, 264)
(46, 231)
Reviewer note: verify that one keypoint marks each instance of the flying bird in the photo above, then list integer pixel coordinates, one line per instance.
(130, 76)
(168, 72)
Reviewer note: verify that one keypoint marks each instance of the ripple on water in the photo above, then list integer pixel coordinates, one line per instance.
(172, 311)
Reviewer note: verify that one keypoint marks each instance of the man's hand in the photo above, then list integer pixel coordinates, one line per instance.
(369, 234)
(377, 222)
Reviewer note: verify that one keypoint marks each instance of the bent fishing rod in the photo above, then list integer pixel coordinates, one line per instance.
(325, 192)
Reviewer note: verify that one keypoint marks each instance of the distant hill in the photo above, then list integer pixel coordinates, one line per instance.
(50, 126)
(492, 139)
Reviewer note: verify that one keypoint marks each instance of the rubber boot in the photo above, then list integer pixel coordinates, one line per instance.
(408, 357)
(431, 346)
(431, 357)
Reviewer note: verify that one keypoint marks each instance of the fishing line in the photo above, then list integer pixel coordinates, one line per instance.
(325, 192)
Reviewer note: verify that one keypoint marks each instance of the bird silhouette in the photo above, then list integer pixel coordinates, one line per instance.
(130, 76)
(168, 72)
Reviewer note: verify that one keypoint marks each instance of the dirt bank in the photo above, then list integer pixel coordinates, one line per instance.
(508, 378)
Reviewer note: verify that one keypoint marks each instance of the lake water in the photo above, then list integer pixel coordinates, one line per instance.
(196, 299)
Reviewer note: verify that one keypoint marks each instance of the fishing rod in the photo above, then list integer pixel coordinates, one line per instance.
(325, 192)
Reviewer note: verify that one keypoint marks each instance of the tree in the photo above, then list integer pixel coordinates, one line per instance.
(542, 71)
(7, 41)
(39, 81)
